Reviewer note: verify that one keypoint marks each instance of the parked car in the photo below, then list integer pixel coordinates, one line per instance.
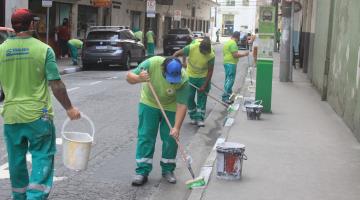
(198, 34)
(111, 45)
(243, 42)
(176, 39)
(4, 34)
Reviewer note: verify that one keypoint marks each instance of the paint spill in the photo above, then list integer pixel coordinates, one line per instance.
(347, 53)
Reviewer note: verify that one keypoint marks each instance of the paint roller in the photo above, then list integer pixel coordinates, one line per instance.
(195, 182)
(233, 96)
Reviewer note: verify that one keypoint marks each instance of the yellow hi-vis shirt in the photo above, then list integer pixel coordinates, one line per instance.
(198, 63)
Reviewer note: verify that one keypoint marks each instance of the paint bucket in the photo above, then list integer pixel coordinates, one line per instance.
(230, 158)
(254, 110)
(77, 146)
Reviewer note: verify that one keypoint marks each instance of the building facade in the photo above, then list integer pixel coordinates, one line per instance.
(330, 54)
(236, 15)
(195, 14)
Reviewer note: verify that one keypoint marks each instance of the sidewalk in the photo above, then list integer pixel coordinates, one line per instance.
(303, 150)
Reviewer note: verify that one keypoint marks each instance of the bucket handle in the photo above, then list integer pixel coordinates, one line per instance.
(67, 120)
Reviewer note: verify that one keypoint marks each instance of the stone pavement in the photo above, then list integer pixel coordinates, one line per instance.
(303, 150)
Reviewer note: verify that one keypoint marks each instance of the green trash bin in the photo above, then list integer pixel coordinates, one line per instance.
(264, 73)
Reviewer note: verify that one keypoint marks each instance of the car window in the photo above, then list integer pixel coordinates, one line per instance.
(179, 31)
(103, 35)
(127, 35)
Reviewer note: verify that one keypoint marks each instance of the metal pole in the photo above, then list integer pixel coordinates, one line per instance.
(285, 42)
(47, 24)
(276, 2)
(291, 42)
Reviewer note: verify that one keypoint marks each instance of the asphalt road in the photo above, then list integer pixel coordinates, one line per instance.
(111, 103)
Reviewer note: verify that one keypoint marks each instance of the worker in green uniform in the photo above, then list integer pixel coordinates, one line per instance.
(150, 42)
(170, 83)
(199, 68)
(27, 67)
(74, 45)
(138, 34)
(231, 58)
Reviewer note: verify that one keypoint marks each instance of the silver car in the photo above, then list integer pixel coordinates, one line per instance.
(111, 45)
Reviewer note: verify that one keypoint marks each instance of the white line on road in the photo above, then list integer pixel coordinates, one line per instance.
(72, 89)
(96, 82)
(115, 77)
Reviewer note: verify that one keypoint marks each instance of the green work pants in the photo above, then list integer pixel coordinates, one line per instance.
(149, 121)
(73, 53)
(150, 49)
(38, 138)
(197, 109)
(230, 72)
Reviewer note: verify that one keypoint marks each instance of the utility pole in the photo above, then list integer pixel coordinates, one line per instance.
(285, 46)
(276, 4)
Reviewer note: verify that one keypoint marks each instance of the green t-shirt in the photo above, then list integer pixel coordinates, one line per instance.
(198, 63)
(169, 94)
(26, 66)
(150, 37)
(229, 48)
(76, 43)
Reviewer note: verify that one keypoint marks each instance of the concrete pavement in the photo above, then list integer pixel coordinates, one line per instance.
(303, 150)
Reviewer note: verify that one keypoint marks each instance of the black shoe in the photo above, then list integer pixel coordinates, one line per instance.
(229, 102)
(139, 180)
(170, 177)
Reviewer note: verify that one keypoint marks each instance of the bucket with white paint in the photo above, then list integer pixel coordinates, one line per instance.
(230, 158)
(77, 146)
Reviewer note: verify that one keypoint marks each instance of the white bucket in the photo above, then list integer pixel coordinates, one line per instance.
(77, 146)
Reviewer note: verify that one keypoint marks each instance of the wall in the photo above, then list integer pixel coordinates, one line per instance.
(344, 85)
(10, 6)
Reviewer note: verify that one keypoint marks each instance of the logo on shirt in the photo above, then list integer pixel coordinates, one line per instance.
(17, 51)
(170, 91)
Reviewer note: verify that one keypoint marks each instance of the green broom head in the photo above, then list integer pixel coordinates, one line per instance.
(195, 183)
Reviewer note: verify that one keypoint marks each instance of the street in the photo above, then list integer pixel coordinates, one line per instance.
(111, 103)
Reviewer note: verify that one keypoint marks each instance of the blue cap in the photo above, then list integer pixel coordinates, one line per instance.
(173, 71)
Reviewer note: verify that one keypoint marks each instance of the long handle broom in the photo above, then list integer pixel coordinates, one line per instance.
(230, 108)
(195, 182)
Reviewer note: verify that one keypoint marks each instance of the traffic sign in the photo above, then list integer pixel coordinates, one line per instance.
(46, 3)
(177, 15)
(150, 8)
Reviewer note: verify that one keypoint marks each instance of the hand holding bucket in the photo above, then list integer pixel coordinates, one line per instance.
(77, 146)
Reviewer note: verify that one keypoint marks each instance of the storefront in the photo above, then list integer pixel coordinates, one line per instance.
(87, 16)
(58, 12)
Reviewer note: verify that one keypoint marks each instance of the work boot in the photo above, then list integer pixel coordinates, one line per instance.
(200, 124)
(170, 177)
(139, 180)
(193, 122)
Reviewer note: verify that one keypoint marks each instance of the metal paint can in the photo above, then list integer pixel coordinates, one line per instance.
(230, 158)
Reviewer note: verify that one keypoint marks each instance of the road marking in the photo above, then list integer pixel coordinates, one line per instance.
(96, 82)
(59, 141)
(72, 89)
(115, 77)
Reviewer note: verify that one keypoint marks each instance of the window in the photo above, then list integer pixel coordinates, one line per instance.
(103, 35)
(230, 2)
(127, 35)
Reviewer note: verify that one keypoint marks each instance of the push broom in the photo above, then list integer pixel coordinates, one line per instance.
(233, 96)
(195, 182)
(230, 108)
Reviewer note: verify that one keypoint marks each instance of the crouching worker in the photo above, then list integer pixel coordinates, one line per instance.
(74, 45)
(171, 86)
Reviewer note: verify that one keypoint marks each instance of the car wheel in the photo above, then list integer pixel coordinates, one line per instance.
(127, 61)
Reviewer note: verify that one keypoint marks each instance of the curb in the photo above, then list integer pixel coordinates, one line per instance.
(70, 70)
(208, 166)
